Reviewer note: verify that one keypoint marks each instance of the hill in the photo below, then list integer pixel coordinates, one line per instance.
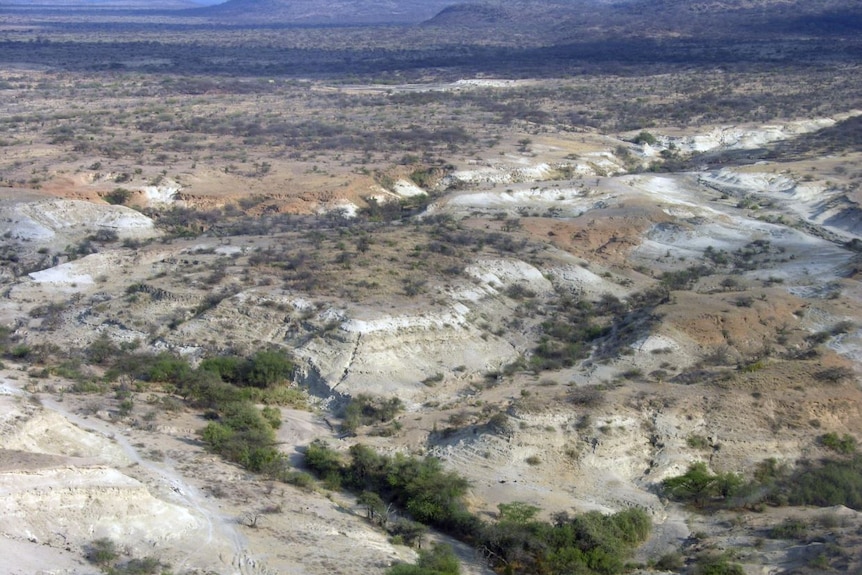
(109, 4)
(335, 12)
(575, 21)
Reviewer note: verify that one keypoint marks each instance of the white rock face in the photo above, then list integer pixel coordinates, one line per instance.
(161, 195)
(87, 503)
(83, 271)
(487, 83)
(747, 137)
(46, 220)
(50, 433)
(736, 138)
(586, 282)
(750, 182)
(345, 208)
(407, 189)
(811, 201)
(61, 487)
(503, 174)
(392, 355)
(497, 273)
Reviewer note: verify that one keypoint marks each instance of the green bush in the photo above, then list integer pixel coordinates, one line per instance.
(101, 551)
(322, 459)
(517, 512)
(165, 368)
(845, 444)
(789, 529)
(672, 561)
(419, 486)
(207, 391)
(263, 369)
(20, 351)
(406, 531)
(644, 137)
(440, 560)
(118, 196)
(272, 415)
(711, 564)
(268, 368)
(683, 279)
(590, 544)
(145, 566)
(298, 478)
(832, 482)
(230, 368)
(102, 350)
(278, 395)
(697, 442)
(698, 485)
(243, 435)
(367, 410)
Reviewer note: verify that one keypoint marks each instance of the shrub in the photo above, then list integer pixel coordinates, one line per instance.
(272, 415)
(845, 444)
(588, 543)
(440, 560)
(789, 529)
(407, 531)
(230, 368)
(433, 380)
(263, 370)
(698, 485)
(165, 368)
(832, 482)
(102, 350)
(268, 368)
(298, 478)
(145, 566)
(367, 410)
(207, 391)
(418, 486)
(587, 396)
(499, 424)
(711, 564)
(118, 196)
(644, 137)
(322, 459)
(517, 512)
(697, 442)
(101, 551)
(672, 561)
(683, 279)
(243, 435)
(834, 374)
(21, 351)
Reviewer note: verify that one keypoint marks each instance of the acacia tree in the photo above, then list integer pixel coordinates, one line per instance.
(375, 507)
(695, 485)
(698, 485)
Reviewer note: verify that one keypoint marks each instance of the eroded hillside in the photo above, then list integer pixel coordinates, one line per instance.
(559, 330)
(571, 287)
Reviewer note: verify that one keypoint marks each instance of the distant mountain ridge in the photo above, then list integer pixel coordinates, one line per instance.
(654, 18)
(342, 12)
(553, 20)
(95, 4)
